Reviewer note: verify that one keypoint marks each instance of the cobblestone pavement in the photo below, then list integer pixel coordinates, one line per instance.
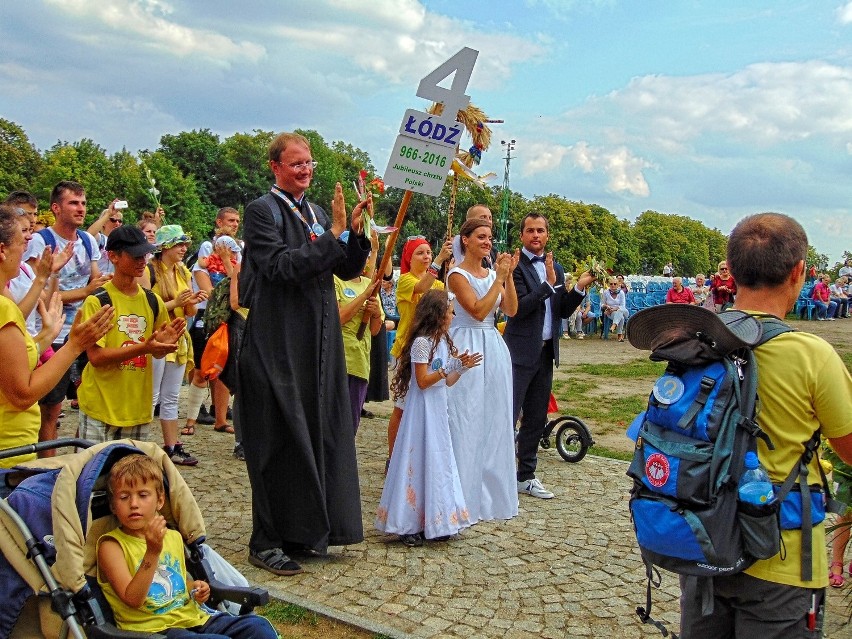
(565, 567)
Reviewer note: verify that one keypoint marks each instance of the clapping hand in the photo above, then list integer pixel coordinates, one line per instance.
(52, 317)
(469, 360)
(86, 334)
(549, 268)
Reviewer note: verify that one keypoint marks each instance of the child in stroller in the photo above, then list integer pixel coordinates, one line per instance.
(49, 530)
(141, 566)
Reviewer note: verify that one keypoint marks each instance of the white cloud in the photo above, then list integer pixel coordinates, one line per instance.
(765, 104)
(405, 41)
(150, 21)
(844, 13)
(623, 170)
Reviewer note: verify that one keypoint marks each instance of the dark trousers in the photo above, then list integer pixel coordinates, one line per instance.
(531, 386)
(744, 606)
(225, 626)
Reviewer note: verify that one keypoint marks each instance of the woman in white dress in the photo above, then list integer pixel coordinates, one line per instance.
(480, 404)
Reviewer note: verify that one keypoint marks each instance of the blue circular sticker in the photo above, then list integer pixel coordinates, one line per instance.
(668, 389)
(437, 363)
(317, 229)
(348, 292)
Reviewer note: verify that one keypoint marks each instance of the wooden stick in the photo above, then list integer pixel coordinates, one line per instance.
(452, 207)
(388, 256)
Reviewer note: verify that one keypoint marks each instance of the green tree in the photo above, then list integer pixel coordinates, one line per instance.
(179, 195)
(244, 173)
(198, 154)
(85, 162)
(819, 260)
(20, 161)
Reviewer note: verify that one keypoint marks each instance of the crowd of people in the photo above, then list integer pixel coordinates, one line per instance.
(103, 314)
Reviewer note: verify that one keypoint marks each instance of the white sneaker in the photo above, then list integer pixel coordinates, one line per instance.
(533, 487)
(580, 336)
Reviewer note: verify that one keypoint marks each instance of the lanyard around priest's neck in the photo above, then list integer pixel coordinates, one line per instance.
(315, 229)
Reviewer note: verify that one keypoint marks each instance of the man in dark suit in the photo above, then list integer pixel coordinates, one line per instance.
(532, 336)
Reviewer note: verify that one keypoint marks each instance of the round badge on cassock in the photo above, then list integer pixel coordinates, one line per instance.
(317, 229)
(348, 292)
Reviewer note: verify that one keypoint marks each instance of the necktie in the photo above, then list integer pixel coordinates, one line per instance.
(537, 258)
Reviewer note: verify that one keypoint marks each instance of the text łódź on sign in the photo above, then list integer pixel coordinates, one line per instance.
(423, 153)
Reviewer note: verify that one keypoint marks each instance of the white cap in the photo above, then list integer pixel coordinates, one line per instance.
(229, 242)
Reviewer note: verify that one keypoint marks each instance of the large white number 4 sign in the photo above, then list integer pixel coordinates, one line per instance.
(454, 98)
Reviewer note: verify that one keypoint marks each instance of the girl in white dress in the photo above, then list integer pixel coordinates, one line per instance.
(481, 403)
(422, 496)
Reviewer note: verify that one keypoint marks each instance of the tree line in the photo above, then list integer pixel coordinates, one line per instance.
(196, 172)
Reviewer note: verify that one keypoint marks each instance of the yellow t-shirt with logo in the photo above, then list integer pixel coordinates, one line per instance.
(17, 427)
(803, 387)
(406, 302)
(357, 351)
(168, 604)
(120, 394)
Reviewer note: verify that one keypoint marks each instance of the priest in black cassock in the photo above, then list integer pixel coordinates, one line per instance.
(294, 409)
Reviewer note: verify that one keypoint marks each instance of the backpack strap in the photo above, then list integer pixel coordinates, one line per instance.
(104, 298)
(85, 238)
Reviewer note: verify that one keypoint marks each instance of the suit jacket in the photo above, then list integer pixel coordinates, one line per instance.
(523, 330)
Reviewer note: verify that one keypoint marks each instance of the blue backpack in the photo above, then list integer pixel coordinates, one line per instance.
(689, 456)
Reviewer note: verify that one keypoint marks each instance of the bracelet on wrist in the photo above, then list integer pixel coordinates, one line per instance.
(388, 278)
(432, 271)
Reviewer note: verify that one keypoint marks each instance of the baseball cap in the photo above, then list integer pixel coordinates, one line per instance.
(129, 239)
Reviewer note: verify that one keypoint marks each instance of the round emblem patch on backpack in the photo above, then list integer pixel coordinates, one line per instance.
(657, 469)
(668, 389)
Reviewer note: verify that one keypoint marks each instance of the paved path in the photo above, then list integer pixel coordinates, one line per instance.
(566, 567)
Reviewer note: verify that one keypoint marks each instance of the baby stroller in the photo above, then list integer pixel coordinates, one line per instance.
(49, 527)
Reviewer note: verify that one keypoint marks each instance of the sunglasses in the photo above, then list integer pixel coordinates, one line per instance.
(415, 237)
(724, 268)
(116, 220)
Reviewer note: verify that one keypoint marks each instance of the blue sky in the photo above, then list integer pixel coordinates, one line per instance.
(712, 110)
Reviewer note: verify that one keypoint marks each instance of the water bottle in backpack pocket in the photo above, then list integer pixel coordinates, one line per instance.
(758, 511)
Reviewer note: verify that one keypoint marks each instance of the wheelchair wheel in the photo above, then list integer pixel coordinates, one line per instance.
(572, 439)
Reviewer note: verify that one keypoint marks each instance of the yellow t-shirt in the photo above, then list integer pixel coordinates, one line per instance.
(17, 427)
(120, 394)
(406, 302)
(803, 386)
(168, 604)
(357, 350)
(183, 278)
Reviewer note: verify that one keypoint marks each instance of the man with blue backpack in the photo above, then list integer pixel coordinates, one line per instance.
(78, 279)
(741, 580)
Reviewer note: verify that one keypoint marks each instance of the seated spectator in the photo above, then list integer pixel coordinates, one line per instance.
(839, 295)
(846, 270)
(678, 293)
(821, 295)
(723, 288)
(582, 316)
(700, 291)
(141, 552)
(614, 306)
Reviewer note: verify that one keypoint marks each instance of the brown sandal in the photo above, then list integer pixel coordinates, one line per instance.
(224, 428)
(189, 429)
